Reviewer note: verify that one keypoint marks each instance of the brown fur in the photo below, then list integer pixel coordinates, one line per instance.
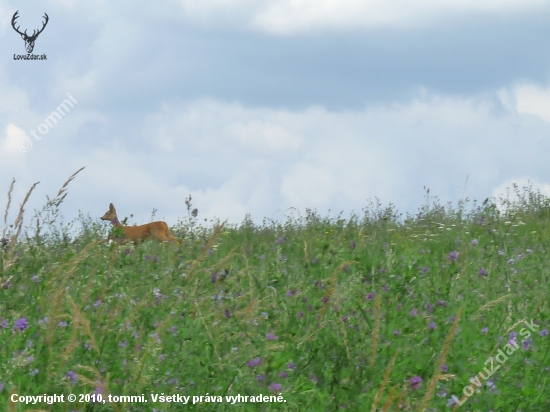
(153, 230)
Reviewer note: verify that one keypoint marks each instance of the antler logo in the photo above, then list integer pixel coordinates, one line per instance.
(29, 40)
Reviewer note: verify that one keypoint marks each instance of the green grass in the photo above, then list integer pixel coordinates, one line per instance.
(332, 313)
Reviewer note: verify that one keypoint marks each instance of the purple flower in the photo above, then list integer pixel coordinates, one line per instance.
(275, 387)
(543, 332)
(227, 313)
(291, 365)
(474, 242)
(260, 377)
(371, 295)
(35, 279)
(432, 326)
(395, 332)
(4, 324)
(527, 344)
(126, 251)
(444, 368)
(415, 382)
(453, 255)
(414, 312)
(280, 240)
(283, 375)
(325, 299)
(123, 344)
(20, 324)
(485, 330)
(425, 269)
(482, 272)
(289, 294)
(441, 303)
(62, 324)
(34, 372)
(72, 376)
(270, 336)
(214, 278)
(254, 362)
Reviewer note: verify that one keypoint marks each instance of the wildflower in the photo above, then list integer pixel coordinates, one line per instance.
(444, 368)
(227, 313)
(280, 240)
(1, 386)
(425, 269)
(254, 362)
(123, 344)
(289, 294)
(485, 330)
(275, 387)
(162, 357)
(313, 378)
(441, 303)
(72, 376)
(195, 212)
(34, 372)
(270, 336)
(482, 272)
(214, 278)
(527, 344)
(395, 332)
(352, 246)
(62, 324)
(4, 324)
(453, 255)
(325, 299)
(432, 326)
(414, 312)
(371, 295)
(474, 242)
(283, 375)
(543, 332)
(97, 303)
(20, 324)
(260, 377)
(35, 279)
(291, 365)
(415, 382)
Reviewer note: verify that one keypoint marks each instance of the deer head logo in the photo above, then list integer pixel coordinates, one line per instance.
(29, 40)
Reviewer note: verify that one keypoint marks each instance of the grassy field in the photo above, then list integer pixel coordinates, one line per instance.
(373, 312)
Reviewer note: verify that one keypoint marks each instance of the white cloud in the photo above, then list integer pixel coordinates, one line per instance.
(288, 17)
(234, 159)
(532, 99)
(293, 16)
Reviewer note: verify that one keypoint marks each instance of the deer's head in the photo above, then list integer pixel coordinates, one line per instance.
(29, 40)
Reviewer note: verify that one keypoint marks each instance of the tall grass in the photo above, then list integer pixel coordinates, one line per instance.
(373, 312)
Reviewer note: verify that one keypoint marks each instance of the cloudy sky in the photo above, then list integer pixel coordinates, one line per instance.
(257, 106)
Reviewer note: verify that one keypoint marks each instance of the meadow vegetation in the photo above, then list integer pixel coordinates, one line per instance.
(371, 312)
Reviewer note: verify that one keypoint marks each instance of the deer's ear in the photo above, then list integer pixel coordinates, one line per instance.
(111, 206)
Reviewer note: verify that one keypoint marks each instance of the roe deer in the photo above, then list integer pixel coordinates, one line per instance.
(157, 230)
